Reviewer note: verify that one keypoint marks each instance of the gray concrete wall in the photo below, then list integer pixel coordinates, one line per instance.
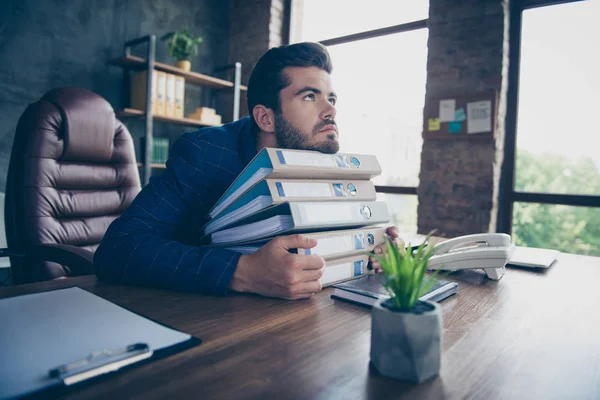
(50, 43)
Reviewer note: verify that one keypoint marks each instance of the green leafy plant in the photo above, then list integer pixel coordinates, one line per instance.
(404, 273)
(182, 44)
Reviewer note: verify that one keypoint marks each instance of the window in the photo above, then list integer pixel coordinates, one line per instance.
(559, 96)
(556, 194)
(380, 81)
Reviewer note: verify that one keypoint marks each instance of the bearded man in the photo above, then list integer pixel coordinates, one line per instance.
(155, 242)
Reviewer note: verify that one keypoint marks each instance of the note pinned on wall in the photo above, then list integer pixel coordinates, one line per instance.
(447, 109)
(461, 116)
(479, 116)
(433, 124)
(454, 127)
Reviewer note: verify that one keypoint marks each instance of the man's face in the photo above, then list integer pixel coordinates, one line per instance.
(307, 117)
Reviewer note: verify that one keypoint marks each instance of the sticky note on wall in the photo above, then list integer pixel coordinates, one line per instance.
(454, 127)
(433, 124)
(460, 115)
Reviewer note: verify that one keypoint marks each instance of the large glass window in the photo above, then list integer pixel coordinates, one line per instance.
(327, 19)
(558, 140)
(557, 136)
(380, 83)
(566, 228)
(380, 107)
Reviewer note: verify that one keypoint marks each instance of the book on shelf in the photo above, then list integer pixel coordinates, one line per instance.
(161, 92)
(297, 164)
(179, 96)
(269, 192)
(138, 91)
(330, 244)
(160, 150)
(207, 115)
(302, 217)
(170, 97)
(368, 289)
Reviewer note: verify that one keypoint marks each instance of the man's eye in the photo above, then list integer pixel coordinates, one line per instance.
(309, 96)
(333, 100)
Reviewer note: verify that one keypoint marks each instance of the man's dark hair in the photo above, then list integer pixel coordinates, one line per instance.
(268, 79)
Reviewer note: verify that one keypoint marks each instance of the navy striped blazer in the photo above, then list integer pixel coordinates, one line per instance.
(156, 241)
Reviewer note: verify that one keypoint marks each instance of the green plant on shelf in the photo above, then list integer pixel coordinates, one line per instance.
(182, 44)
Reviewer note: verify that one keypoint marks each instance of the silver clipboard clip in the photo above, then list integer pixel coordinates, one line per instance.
(100, 362)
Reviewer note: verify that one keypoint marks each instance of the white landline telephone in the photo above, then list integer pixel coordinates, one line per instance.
(487, 251)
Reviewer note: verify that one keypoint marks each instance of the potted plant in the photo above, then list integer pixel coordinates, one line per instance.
(406, 332)
(182, 45)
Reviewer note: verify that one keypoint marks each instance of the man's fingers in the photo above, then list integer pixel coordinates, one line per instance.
(300, 261)
(310, 275)
(301, 296)
(308, 287)
(393, 231)
(296, 241)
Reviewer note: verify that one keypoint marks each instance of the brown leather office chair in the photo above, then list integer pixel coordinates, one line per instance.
(72, 171)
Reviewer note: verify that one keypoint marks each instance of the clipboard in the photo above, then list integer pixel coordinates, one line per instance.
(56, 339)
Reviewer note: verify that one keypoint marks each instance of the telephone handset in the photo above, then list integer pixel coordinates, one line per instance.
(487, 251)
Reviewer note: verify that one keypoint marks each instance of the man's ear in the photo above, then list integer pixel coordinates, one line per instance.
(264, 117)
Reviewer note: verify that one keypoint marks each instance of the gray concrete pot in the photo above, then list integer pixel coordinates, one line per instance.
(406, 345)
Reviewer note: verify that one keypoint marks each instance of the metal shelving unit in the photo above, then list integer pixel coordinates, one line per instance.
(133, 63)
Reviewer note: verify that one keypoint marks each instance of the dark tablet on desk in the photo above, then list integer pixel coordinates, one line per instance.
(368, 289)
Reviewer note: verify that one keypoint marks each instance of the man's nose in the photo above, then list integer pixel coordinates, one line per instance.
(329, 112)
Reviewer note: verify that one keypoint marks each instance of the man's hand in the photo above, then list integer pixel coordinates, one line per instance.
(274, 272)
(393, 236)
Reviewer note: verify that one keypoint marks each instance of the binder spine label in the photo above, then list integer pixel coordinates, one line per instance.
(338, 189)
(301, 189)
(359, 241)
(329, 212)
(332, 245)
(359, 268)
(337, 272)
(311, 160)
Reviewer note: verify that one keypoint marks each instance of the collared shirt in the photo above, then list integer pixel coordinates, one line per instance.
(156, 241)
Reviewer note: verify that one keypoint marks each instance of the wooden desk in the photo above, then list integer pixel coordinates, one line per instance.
(532, 335)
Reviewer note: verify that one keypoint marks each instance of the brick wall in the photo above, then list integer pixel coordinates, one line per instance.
(255, 27)
(468, 52)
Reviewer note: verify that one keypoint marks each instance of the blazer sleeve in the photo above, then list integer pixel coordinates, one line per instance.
(151, 243)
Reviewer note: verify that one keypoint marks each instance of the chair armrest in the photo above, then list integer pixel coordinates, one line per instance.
(79, 261)
(4, 252)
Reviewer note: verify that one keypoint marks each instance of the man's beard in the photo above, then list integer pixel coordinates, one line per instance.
(290, 136)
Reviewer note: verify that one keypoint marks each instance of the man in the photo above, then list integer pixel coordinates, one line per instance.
(156, 241)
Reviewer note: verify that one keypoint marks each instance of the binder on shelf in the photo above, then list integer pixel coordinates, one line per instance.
(331, 244)
(161, 92)
(303, 217)
(160, 150)
(345, 269)
(170, 96)
(298, 164)
(66, 336)
(138, 91)
(269, 192)
(179, 96)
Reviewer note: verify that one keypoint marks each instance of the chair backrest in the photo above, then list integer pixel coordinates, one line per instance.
(72, 171)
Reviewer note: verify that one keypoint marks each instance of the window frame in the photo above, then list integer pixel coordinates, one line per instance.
(507, 193)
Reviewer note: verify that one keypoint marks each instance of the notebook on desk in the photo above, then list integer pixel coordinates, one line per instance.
(67, 336)
(531, 257)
